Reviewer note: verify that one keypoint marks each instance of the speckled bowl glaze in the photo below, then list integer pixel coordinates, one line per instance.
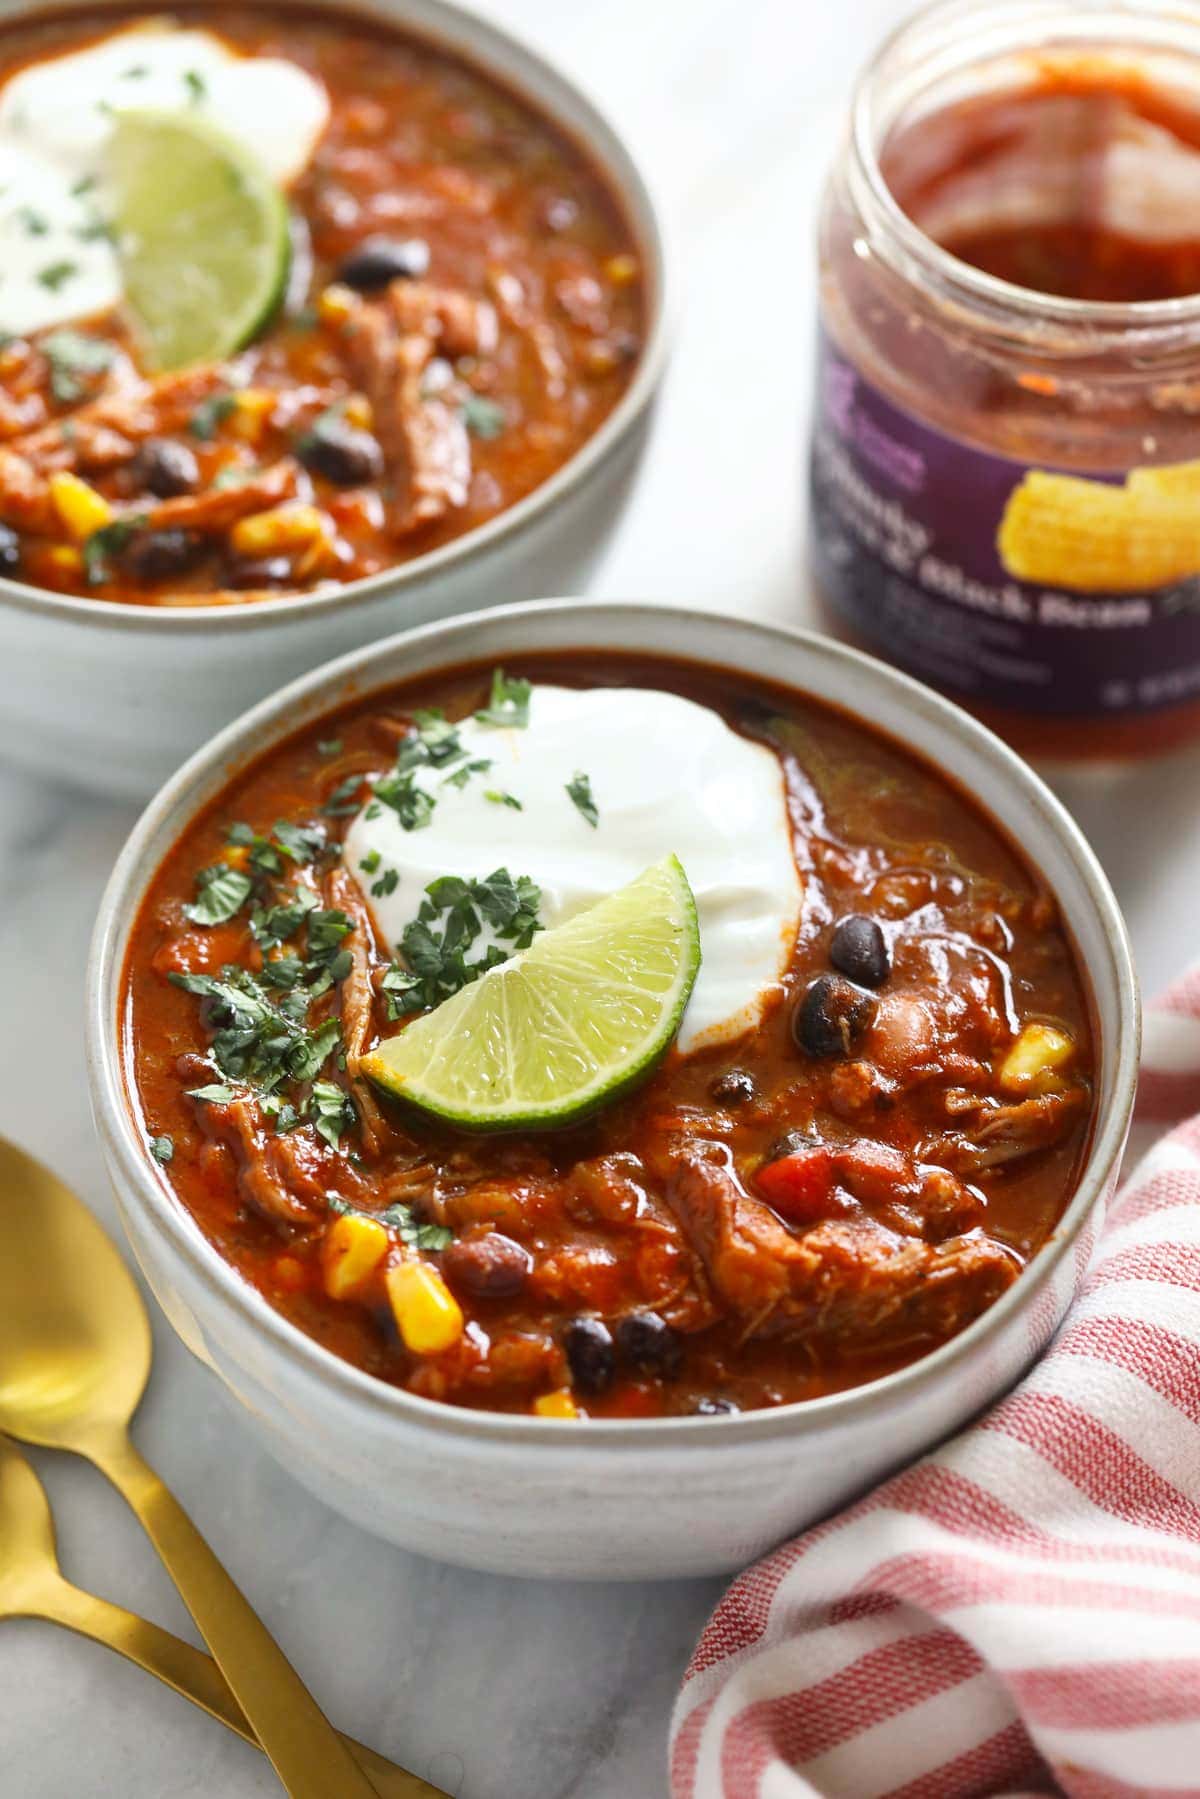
(112, 697)
(605, 1499)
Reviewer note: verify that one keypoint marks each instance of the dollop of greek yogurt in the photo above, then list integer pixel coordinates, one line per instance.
(665, 775)
(56, 116)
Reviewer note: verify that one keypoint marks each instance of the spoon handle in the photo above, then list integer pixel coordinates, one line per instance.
(196, 1676)
(305, 1750)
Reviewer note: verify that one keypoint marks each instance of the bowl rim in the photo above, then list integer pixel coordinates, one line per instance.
(575, 112)
(271, 721)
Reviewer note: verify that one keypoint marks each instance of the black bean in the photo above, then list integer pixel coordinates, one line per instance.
(342, 454)
(713, 1408)
(590, 1353)
(383, 259)
(832, 1017)
(859, 950)
(10, 550)
(166, 468)
(733, 1088)
(491, 1266)
(267, 571)
(161, 555)
(648, 1344)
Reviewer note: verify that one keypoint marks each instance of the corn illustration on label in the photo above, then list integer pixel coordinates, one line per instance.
(1045, 590)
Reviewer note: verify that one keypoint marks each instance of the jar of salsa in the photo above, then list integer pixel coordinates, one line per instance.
(1005, 467)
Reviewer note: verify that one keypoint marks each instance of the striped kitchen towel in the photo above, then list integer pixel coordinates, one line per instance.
(1018, 1613)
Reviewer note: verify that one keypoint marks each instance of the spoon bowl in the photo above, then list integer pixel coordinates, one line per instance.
(74, 1335)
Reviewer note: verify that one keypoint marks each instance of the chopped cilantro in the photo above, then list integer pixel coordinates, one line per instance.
(579, 788)
(343, 801)
(274, 925)
(196, 86)
(370, 862)
(329, 746)
(217, 1093)
(451, 917)
(221, 892)
(96, 231)
(332, 1112)
(84, 185)
(73, 356)
(209, 414)
(411, 804)
(35, 223)
(509, 703)
(57, 274)
(462, 775)
(483, 418)
(301, 843)
(499, 798)
(107, 542)
(387, 883)
(162, 1149)
(255, 1040)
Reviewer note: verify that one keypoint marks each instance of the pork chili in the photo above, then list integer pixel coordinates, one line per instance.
(780, 1217)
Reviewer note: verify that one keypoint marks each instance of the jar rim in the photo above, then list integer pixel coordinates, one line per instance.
(997, 28)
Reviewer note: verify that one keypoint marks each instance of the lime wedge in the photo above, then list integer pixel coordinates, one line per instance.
(574, 1020)
(202, 235)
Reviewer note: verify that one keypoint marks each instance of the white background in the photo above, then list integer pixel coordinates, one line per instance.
(496, 1689)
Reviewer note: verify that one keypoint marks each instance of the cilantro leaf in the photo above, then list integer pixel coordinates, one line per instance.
(209, 414)
(462, 775)
(343, 801)
(332, 1112)
(221, 892)
(74, 357)
(162, 1149)
(499, 798)
(301, 843)
(482, 417)
(107, 542)
(411, 804)
(436, 944)
(509, 702)
(57, 274)
(217, 1093)
(579, 789)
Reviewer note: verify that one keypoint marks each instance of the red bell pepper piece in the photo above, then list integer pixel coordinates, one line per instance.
(799, 1186)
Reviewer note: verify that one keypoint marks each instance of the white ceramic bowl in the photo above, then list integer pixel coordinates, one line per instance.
(113, 697)
(643, 1498)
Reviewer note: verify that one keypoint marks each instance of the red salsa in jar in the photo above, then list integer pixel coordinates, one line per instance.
(1005, 457)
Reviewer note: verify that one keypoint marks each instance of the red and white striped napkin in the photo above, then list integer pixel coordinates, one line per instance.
(1018, 1613)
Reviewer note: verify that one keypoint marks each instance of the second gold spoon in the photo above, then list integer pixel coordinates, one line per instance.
(33, 1586)
(74, 1361)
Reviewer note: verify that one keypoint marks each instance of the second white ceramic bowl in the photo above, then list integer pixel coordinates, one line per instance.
(113, 697)
(643, 1498)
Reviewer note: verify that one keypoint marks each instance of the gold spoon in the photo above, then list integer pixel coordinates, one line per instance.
(74, 1360)
(33, 1586)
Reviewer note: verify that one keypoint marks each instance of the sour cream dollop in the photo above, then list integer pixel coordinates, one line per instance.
(55, 120)
(667, 775)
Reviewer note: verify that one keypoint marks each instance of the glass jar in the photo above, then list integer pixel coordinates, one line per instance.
(1006, 482)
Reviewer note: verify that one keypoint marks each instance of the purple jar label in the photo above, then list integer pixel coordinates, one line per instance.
(1044, 590)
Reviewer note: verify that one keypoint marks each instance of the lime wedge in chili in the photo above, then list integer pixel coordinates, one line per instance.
(563, 1026)
(202, 236)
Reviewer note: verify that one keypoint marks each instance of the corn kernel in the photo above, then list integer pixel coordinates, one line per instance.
(359, 412)
(427, 1314)
(1030, 1065)
(622, 270)
(556, 1405)
(352, 1250)
(336, 304)
(290, 527)
(64, 560)
(81, 509)
(251, 407)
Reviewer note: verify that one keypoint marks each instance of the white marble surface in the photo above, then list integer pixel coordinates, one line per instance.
(492, 1688)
